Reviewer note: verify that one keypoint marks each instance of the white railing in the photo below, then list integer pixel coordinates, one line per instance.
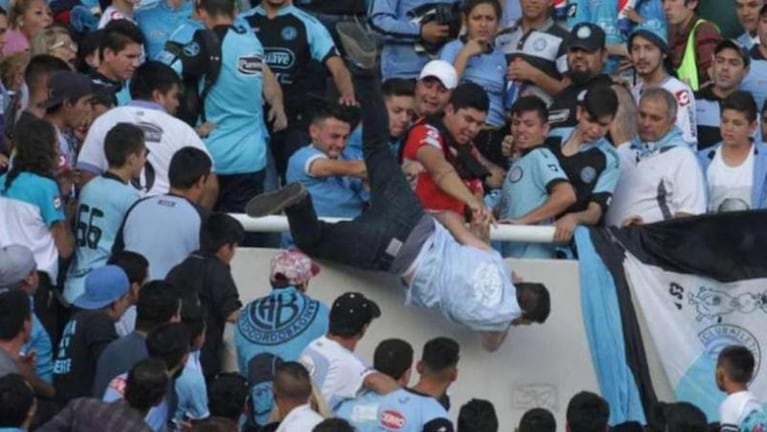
(519, 233)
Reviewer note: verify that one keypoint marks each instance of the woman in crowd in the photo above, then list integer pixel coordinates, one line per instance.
(56, 41)
(476, 59)
(26, 19)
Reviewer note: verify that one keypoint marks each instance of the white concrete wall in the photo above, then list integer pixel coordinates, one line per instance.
(539, 365)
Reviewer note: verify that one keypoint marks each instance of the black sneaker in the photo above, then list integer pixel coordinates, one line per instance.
(276, 201)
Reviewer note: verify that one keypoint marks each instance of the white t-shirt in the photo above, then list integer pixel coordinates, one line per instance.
(165, 135)
(657, 186)
(336, 371)
(735, 408)
(685, 101)
(729, 187)
(300, 418)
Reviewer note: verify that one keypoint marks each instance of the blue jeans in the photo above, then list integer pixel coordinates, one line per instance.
(370, 240)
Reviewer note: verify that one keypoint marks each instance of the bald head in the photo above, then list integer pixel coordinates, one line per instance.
(292, 383)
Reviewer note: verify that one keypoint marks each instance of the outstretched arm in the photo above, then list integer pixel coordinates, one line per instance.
(454, 223)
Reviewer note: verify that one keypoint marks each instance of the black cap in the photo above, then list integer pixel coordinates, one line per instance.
(352, 311)
(737, 46)
(587, 36)
(67, 86)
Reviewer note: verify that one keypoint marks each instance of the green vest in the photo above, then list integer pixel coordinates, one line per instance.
(688, 70)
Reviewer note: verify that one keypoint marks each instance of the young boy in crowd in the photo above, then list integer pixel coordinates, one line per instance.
(734, 370)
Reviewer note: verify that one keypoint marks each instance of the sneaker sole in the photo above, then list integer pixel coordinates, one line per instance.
(274, 202)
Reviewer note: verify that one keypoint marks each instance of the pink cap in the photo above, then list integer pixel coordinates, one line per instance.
(294, 266)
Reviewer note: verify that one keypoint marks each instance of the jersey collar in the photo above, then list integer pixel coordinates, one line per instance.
(111, 176)
(147, 104)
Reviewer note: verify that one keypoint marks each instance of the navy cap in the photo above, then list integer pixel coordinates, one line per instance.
(737, 46)
(587, 36)
(352, 310)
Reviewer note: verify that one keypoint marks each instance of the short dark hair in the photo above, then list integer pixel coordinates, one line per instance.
(16, 399)
(738, 363)
(537, 420)
(477, 415)
(393, 357)
(333, 425)
(135, 266)
(327, 110)
(157, 303)
(469, 6)
(440, 354)
(146, 384)
(187, 166)
(152, 76)
(292, 381)
(41, 67)
(535, 301)
(14, 311)
(227, 394)
(398, 87)
(469, 95)
(118, 34)
(123, 140)
(220, 230)
(193, 317)
(216, 8)
(742, 102)
(600, 101)
(530, 103)
(587, 412)
(168, 342)
(684, 417)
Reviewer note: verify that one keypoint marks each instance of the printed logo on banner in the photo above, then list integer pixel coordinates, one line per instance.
(719, 336)
(712, 304)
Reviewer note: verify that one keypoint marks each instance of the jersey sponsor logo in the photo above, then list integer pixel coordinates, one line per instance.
(276, 320)
(588, 174)
(392, 419)
(516, 174)
(152, 132)
(57, 202)
(191, 49)
(250, 64)
(280, 58)
(683, 97)
(289, 33)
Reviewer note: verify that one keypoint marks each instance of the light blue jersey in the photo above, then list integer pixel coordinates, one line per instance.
(281, 324)
(407, 410)
(28, 210)
(353, 150)
(401, 31)
(40, 343)
(334, 196)
(191, 391)
(165, 229)
(104, 201)
(361, 412)
(487, 71)
(182, 35)
(756, 80)
(527, 187)
(158, 21)
(234, 105)
(466, 285)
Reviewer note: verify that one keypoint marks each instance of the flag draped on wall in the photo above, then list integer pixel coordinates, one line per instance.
(701, 285)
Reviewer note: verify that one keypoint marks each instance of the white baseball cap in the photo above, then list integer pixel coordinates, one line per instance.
(443, 71)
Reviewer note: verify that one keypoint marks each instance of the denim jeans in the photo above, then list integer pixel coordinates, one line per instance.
(371, 240)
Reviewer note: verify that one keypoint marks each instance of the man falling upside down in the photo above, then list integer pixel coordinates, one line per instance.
(445, 266)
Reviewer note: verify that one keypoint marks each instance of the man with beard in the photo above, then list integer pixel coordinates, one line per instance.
(586, 55)
(731, 65)
(648, 49)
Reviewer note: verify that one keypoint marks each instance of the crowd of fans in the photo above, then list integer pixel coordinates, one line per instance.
(132, 129)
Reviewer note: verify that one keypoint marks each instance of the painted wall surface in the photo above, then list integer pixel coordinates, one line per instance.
(539, 365)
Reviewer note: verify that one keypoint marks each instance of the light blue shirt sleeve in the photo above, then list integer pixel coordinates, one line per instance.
(321, 44)
(384, 18)
(547, 168)
(450, 51)
(50, 202)
(40, 343)
(192, 393)
(608, 179)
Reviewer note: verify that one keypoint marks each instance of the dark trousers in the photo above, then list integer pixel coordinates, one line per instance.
(234, 192)
(371, 240)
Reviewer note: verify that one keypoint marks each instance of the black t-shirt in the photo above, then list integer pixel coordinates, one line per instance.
(86, 335)
(211, 279)
(562, 113)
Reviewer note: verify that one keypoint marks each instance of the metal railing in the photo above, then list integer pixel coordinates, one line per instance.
(519, 233)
